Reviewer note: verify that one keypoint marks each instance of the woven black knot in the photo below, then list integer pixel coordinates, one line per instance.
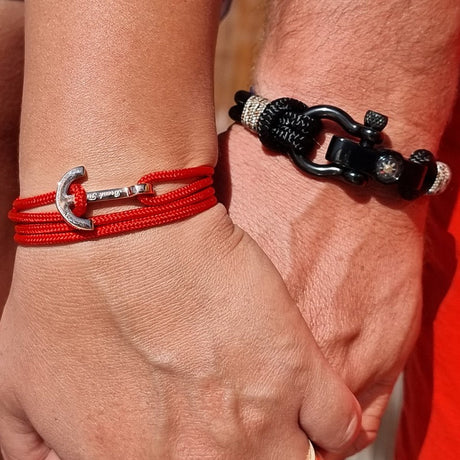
(283, 126)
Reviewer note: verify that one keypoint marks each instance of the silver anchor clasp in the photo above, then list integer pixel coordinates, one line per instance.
(64, 201)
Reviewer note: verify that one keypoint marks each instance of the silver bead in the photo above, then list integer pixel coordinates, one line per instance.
(389, 168)
(442, 179)
(252, 111)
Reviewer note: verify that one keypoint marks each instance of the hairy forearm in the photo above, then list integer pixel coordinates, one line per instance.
(397, 57)
(119, 87)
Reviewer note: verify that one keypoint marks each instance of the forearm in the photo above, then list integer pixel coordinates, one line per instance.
(123, 88)
(119, 87)
(397, 57)
(399, 60)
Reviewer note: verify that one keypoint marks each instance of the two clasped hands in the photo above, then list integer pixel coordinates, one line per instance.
(203, 338)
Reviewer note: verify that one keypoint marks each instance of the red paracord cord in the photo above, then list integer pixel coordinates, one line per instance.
(47, 228)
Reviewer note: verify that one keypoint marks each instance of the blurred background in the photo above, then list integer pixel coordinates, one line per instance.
(240, 35)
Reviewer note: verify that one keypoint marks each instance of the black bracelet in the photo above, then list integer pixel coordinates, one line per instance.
(289, 126)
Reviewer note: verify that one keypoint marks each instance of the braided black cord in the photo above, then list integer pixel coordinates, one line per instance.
(284, 127)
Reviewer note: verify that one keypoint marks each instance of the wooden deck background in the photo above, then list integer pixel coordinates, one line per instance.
(239, 36)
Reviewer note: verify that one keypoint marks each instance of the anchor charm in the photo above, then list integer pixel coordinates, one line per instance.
(65, 201)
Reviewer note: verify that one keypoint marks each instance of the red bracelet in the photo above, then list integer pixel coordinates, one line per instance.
(68, 225)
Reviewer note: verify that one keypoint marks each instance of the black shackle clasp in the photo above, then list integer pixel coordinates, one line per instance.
(368, 134)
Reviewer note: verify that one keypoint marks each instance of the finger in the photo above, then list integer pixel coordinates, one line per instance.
(19, 440)
(330, 415)
(373, 403)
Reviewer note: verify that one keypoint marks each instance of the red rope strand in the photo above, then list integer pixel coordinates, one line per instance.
(47, 228)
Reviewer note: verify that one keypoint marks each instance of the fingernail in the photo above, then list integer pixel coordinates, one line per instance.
(353, 428)
(349, 435)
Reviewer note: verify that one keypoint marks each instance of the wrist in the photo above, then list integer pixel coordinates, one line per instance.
(317, 232)
(118, 161)
(302, 196)
(122, 269)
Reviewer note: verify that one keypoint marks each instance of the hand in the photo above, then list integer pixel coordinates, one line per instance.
(351, 262)
(176, 342)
